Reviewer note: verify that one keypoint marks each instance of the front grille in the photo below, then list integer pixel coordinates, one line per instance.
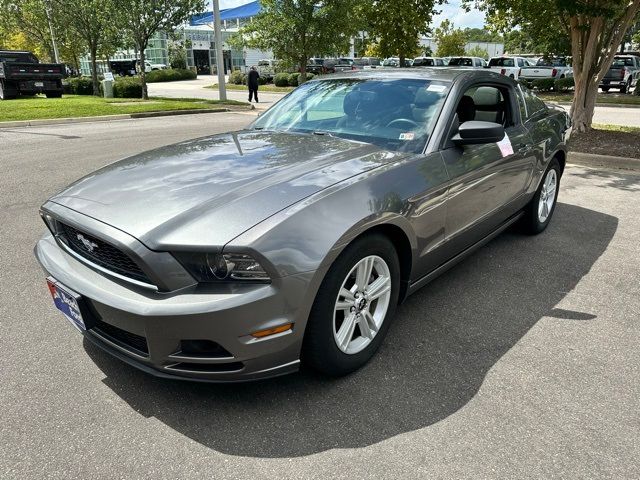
(101, 253)
(125, 339)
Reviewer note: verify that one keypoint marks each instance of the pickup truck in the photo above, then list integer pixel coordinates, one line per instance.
(22, 74)
(508, 66)
(547, 68)
(623, 74)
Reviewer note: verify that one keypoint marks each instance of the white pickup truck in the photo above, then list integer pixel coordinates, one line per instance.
(508, 66)
(547, 68)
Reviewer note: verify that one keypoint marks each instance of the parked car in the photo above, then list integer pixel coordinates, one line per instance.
(509, 66)
(547, 67)
(365, 63)
(123, 68)
(237, 256)
(428, 62)
(149, 67)
(342, 64)
(316, 66)
(395, 62)
(475, 62)
(266, 68)
(623, 74)
(21, 73)
(446, 60)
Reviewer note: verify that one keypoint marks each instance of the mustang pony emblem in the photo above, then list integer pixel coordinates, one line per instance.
(88, 244)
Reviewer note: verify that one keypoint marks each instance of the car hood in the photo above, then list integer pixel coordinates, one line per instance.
(205, 192)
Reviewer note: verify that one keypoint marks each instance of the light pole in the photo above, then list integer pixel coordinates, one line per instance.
(217, 30)
(53, 36)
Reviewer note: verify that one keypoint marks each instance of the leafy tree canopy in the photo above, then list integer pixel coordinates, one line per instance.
(451, 41)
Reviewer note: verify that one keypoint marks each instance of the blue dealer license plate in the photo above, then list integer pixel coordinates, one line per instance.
(67, 302)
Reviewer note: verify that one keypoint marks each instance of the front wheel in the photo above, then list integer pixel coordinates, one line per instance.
(353, 308)
(540, 210)
(53, 94)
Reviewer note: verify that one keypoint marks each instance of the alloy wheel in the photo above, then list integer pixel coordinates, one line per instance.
(547, 195)
(362, 304)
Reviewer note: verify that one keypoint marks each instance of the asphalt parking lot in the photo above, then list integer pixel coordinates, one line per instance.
(521, 362)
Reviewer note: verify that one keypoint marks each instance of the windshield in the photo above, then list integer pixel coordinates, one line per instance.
(621, 62)
(395, 114)
(502, 62)
(461, 61)
(556, 62)
(18, 57)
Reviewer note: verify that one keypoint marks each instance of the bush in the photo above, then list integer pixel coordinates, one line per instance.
(543, 84)
(262, 80)
(309, 76)
(281, 80)
(236, 77)
(127, 87)
(293, 79)
(564, 84)
(80, 86)
(170, 75)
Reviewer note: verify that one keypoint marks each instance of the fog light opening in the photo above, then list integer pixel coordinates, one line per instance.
(272, 331)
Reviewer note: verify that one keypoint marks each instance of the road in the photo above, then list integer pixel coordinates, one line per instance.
(195, 89)
(521, 362)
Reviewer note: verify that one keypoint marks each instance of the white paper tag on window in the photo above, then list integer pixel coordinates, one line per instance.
(505, 146)
(407, 136)
(436, 88)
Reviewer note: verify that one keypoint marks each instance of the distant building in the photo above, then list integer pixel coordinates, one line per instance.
(494, 49)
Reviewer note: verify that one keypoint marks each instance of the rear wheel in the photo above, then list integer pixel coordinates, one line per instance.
(540, 210)
(627, 87)
(605, 89)
(353, 308)
(6, 92)
(53, 94)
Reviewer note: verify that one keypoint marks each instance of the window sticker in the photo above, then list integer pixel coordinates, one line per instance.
(407, 136)
(505, 146)
(436, 88)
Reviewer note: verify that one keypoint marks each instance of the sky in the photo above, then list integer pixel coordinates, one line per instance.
(451, 11)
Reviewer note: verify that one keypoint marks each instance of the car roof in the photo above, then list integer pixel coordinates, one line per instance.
(447, 74)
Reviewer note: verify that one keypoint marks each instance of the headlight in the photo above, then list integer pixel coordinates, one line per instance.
(217, 267)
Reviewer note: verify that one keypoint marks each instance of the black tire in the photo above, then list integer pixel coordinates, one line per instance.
(531, 221)
(605, 89)
(53, 94)
(7, 93)
(319, 350)
(627, 87)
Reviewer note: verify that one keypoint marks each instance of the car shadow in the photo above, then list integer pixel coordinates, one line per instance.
(443, 341)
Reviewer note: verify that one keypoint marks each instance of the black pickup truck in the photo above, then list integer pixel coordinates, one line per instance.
(22, 74)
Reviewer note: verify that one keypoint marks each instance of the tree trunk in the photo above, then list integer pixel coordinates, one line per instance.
(143, 74)
(303, 71)
(401, 58)
(94, 71)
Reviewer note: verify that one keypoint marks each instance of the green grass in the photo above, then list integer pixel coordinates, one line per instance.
(86, 106)
(609, 98)
(616, 128)
(262, 88)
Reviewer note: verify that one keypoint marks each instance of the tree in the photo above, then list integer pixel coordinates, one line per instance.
(92, 21)
(596, 29)
(142, 19)
(398, 24)
(451, 41)
(296, 30)
(478, 51)
(24, 25)
(482, 35)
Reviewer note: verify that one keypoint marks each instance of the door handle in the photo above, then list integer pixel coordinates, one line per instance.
(523, 148)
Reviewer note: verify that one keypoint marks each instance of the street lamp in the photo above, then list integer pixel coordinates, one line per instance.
(217, 29)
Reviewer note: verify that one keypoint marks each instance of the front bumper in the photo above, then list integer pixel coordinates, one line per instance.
(146, 329)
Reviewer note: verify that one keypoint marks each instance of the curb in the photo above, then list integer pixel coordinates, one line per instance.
(608, 161)
(614, 105)
(108, 118)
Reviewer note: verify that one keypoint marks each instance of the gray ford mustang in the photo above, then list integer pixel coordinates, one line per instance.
(239, 256)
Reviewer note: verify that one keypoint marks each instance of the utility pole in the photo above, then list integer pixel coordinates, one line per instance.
(217, 29)
(53, 36)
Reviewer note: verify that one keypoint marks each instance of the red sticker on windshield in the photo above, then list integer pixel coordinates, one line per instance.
(407, 136)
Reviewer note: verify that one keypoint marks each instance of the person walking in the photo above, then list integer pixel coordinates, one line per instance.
(252, 83)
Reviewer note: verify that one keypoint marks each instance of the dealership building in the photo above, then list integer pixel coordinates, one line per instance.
(201, 51)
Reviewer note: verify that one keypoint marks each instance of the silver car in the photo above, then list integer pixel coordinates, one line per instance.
(239, 256)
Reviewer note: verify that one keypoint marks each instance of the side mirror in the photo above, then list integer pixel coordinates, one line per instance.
(475, 132)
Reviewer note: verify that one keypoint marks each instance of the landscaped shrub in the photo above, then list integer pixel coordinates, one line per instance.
(281, 80)
(293, 80)
(544, 84)
(170, 75)
(309, 76)
(236, 77)
(262, 80)
(564, 84)
(80, 86)
(127, 87)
